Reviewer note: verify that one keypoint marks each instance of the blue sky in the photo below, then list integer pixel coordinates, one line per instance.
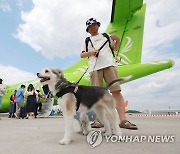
(42, 33)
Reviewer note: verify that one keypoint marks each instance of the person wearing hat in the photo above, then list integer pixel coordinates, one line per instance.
(102, 65)
(2, 92)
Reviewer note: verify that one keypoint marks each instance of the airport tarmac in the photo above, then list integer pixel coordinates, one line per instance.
(41, 136)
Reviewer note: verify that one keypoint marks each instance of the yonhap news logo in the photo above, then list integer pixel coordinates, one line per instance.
(95, 138)
(141, 138)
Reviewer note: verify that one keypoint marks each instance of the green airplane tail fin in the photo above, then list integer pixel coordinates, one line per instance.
(120, 14)
(128, 23)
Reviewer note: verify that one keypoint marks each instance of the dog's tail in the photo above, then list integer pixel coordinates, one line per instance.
(118, 80)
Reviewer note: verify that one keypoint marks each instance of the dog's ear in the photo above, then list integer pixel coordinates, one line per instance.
(58, 72)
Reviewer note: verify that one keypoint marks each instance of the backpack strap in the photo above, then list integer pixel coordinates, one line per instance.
(87, 40)
(108, 38)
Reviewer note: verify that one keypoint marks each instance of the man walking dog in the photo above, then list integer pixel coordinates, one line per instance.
(100, 48)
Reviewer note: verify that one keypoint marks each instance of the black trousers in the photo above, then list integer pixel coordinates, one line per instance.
(37, 108)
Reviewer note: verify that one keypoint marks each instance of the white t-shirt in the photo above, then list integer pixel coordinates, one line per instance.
(105, 58)
(2, 89)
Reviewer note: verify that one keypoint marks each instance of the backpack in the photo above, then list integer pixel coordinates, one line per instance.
(87, 40)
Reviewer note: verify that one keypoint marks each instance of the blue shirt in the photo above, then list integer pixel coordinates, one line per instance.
(19, 95)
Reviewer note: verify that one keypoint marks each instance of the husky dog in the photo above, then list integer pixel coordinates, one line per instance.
(72, 97)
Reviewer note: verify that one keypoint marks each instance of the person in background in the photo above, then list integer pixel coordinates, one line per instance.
(38, 103)
(31, 96)
(12, 108)
(2, 92)
(19, 97)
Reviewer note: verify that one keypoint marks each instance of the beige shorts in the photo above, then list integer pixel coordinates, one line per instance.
(108, 74)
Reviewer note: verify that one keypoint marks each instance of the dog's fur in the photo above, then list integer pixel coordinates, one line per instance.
(97, 98)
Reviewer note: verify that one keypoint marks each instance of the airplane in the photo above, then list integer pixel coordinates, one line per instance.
(127, 21)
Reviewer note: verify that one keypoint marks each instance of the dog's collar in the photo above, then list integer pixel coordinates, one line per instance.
(62, 84)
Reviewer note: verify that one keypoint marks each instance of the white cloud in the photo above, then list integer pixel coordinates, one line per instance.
(12, 75)
(162, 27)
(57, 28)
(5, 6)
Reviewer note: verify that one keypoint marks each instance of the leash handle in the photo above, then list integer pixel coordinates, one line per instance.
(117, 59)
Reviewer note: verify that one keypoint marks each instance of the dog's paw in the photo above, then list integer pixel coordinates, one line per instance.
(118, 133)
(107, 134)
(64, 142)
(85, 133)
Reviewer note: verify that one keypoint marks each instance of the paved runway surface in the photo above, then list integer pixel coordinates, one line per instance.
(41, 136)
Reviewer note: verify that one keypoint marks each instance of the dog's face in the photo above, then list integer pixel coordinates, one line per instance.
(49, 76)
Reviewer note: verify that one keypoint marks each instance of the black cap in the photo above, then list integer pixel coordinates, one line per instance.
(90, 22)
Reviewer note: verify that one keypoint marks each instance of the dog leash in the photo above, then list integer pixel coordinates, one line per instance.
(81, 76)
(76, 87)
